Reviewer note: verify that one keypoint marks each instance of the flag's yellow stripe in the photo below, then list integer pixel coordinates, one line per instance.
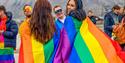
(93, 45)
(38, 51)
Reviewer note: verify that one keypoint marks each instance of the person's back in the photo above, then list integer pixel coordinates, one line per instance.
(37, 42)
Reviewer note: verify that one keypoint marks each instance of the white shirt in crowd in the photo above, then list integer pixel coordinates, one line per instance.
(63, 20)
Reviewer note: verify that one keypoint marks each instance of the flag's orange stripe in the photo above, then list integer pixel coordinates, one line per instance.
(105, 43)
(26, 41)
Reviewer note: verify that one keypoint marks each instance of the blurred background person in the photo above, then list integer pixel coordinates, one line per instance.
(110, 19)
(91, 16)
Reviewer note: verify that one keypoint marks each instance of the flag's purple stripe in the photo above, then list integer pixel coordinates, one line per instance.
(9, 61)
(64, 49)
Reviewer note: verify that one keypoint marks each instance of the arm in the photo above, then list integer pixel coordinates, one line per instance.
(107, 23)
(13, 30)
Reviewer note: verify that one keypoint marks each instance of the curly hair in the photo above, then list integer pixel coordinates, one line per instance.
(42, 23)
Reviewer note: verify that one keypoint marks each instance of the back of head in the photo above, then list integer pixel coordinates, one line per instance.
(42, 24)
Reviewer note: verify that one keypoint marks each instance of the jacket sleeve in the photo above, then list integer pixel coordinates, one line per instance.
(13, 30)
(107, 23)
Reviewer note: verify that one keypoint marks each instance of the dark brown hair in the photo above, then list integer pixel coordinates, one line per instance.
(79, 13)
(42, 23)
(3, 8)
(56, 7)
(68, 3)
(116, 7)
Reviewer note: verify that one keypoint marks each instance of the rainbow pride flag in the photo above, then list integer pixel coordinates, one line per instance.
(31, 50)
(6, 55)
(93, 46)
(1, 41)
(89, 45)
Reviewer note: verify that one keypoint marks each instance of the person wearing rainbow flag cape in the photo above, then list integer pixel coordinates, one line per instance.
(68, 26)
(38, 35)
(79, 41)
(95, 45)
(3, 19)
(6, 51)
(90, 45)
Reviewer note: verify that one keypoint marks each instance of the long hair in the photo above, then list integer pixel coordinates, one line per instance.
(79, 13)
(42, 23)
(68, 3)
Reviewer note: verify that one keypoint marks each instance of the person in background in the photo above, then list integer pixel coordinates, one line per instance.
(10, 35)
(68, 28)
(119, 31)
(63, 23)
(27, 12)
(111, 19)
(91, 16)
(10, 29)
(121, 14)
(59, 13)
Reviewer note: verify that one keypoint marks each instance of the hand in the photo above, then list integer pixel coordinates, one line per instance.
(114, 26)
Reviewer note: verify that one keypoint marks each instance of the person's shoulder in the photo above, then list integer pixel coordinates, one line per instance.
(13, 22)
(23, 24)
(69, 17)
(108, 14)
(24, 28)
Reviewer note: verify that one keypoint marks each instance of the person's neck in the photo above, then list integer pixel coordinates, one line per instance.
(62, 17)
(115, 12)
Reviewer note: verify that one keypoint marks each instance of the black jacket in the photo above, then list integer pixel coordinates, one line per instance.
(11, 32)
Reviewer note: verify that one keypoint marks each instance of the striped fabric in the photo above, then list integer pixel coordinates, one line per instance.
(1, 41)
(93, 46)
(89, 45)
(6, 55)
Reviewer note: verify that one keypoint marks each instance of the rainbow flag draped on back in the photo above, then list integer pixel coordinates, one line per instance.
(31, 50)
(6, 55)
(93, 46)
(2, 28)
(64, 47)
(89, 45)
(1, 41)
